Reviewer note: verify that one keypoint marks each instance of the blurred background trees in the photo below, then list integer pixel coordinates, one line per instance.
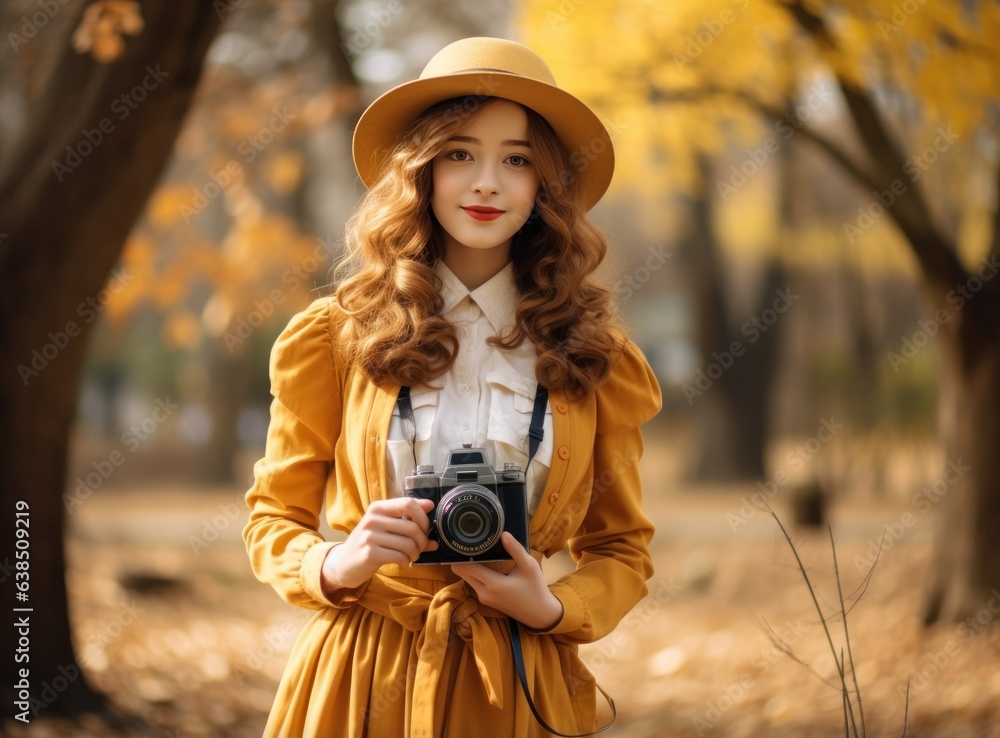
(803, 192)
(901, 98)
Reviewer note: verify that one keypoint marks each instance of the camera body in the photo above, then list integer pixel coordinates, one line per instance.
(473, 505)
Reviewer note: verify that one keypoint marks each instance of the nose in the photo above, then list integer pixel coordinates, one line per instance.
(486, 181)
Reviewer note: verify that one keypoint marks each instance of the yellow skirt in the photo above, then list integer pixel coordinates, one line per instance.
(412, 657)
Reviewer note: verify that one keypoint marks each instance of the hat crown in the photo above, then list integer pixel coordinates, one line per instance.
(484, 54)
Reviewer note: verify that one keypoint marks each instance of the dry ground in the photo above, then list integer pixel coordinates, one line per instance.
(180, 634)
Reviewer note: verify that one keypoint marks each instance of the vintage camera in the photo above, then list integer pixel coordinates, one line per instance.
(473, 505)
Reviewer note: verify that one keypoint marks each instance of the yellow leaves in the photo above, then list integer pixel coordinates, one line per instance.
(102, 27)
(929, 66)
(283, 171)
(166, 203)
(181, 330)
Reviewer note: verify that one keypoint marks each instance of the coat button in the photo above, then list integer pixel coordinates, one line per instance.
(562, 407)
(564, 452)
(553, 497)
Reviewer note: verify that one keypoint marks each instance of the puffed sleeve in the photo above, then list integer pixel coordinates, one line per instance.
(611, 546)
(287, 495)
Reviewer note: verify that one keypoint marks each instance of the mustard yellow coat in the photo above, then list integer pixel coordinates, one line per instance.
(412, 652)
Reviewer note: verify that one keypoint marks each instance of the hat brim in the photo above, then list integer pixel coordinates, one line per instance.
(587, 141)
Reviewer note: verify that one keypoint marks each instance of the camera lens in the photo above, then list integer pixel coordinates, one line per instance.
(470, 524)
(470, 519)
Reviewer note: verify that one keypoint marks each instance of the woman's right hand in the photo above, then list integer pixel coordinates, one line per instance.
(391, 531)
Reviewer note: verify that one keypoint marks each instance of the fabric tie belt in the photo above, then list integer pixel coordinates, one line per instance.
(432, 617)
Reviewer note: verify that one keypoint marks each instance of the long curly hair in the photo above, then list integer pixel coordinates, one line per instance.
(389, 294)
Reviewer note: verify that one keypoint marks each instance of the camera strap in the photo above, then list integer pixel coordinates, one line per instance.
(515, 646)
(406, 415)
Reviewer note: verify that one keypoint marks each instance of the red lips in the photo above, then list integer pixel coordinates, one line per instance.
(481, 212)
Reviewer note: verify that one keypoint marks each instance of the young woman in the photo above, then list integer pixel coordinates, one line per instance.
(467, 293)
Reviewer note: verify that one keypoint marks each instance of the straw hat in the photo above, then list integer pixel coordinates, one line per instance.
(498, 68)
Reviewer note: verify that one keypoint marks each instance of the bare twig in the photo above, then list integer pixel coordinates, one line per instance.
(847, 637)
(786, 649)
(906, 709)
(826, 629)
(856, 596)
(844, 700)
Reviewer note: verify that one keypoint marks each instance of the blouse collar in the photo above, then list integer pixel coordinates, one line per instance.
(497, 297)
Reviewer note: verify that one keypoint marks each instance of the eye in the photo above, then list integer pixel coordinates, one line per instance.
(458, 155)
(516, 160)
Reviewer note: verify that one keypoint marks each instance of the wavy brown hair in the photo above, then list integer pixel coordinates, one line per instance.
(388, 292)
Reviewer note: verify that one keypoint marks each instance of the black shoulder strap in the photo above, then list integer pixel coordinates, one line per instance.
(406, 415)
(515, 645)
(536, 430)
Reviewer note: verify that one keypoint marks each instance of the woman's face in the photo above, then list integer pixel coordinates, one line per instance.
(484, 182)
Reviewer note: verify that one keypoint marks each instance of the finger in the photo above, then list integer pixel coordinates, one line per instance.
(483, 575)
(393, 542)
(416, 509)
(403, 527)
(514, 548)
(470, 572)
(474, 584)
(408, 508)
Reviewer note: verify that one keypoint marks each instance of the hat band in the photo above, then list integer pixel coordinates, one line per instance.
(484, 69)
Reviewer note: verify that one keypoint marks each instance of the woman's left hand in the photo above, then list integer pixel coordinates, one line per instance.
(522, 594)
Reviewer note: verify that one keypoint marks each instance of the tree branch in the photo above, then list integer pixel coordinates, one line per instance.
(865, 179)
(935, 252)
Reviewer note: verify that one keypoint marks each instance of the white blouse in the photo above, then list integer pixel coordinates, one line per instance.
(487, 397)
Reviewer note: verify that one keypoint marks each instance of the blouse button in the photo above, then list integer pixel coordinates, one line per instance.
(562, 407)
(465, 426)
(564, 452)
(553, 497)
(463, 387)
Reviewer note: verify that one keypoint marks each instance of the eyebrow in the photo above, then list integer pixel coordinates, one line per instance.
(472, 140)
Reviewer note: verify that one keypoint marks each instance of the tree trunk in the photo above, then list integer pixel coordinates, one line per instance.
(732, 414)
(65, 230)
(965, 572)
